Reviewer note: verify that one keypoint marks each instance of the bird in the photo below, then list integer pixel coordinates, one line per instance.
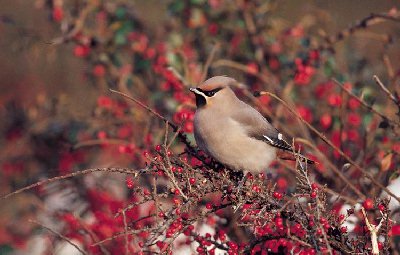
(233, 132)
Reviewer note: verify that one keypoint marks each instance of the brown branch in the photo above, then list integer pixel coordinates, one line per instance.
(142, 105)
(328, 190)
(59, 235)
(386, 90)
(183, 137)
(135, 231)
(362, 102)
(209, 61)
(238, 66)
(76, 27)
(126, 233)
(373, 231)
(83, 172)
(100, 142)
(368, 21)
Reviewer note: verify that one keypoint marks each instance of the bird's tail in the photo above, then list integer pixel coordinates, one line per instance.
(286, 155)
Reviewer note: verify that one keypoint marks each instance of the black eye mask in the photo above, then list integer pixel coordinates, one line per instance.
(209, 93)
(200, 99)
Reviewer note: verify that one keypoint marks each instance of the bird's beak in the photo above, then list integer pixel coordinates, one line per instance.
(194, 90)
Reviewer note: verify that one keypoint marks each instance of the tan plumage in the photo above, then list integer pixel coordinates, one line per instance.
(231, 131)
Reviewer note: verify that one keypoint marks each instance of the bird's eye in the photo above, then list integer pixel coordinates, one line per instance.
(210, 93)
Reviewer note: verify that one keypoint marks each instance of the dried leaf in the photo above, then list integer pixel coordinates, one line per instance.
(386, 162)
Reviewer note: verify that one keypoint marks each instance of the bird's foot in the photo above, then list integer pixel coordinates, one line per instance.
(241, 183)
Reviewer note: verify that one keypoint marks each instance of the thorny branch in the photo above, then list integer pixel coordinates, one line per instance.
(326, 140)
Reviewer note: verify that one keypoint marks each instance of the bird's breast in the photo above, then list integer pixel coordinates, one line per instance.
(228, 142)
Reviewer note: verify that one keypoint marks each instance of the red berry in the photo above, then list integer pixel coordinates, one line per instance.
(192, 181)
(209, 206)
(232, 245)
(176, 201)
(353, 103)
(213, 28)
(348, 86)
(81, 51)
(277, 195)
(58, 14)
(278, 221)
(252, 68)
(343, 229)
(200, 249)
(314, 186)
(160, 244)
(187, 232)
(99, 70)
(146, 192)
(381, 207)
(255, 188)
(104, 101)
(102, 135)
(158, 147)
(188, 127)
(305, 113)
(326, 120)
(281, 183)
(129, 182)
(354, 119)
(313, 194)
(368, 204)
(335, 100)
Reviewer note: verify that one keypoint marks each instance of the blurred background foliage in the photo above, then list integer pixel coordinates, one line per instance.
(56, 107)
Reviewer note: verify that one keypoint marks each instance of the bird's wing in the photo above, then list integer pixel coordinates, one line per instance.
(259, 128)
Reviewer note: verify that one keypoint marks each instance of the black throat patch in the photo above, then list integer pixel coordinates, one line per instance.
(200, 101)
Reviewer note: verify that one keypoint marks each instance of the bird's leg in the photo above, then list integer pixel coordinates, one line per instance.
(241, 183)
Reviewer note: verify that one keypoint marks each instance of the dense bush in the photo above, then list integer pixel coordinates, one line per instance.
(172, 197)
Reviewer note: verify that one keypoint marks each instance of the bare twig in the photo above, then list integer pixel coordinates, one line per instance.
(373, 231)
(126, 233)
(368, 21)
(369, 107)
(100, 142)
(142, 105)
(328, 190)
(238, 66)
(83, 172)
(386, 90)
(60, 236)
(131, 232)
(209, 61)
